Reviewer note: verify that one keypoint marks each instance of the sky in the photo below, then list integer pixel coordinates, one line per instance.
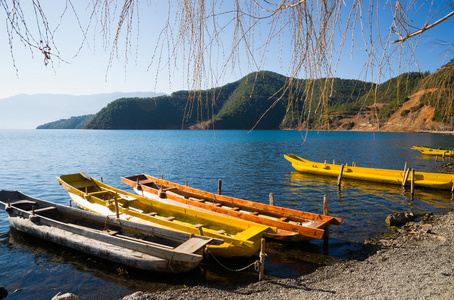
(86, 70)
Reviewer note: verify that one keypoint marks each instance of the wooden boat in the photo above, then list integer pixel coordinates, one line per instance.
(291, 224)
(422, 179)
(156, 249)
(241, 238)
(435, 151)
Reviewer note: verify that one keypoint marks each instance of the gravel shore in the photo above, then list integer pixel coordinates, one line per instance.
(414, 262)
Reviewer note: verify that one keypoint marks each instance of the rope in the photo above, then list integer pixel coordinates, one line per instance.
(256, 264)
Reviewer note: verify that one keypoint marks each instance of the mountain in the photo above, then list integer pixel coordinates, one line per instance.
(29, 111)
(238, 105)
(409, 102)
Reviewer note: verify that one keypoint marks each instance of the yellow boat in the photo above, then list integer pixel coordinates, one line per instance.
(291, 224)
(435, 151)
(422, 179)
(241, 238)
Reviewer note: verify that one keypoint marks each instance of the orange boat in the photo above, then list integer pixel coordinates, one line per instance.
(292, 225)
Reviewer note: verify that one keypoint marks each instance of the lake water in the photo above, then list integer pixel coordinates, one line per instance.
(250, 164)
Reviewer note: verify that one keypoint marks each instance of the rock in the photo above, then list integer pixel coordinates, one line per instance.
(3, 292)
(66, 296)
(399, 219)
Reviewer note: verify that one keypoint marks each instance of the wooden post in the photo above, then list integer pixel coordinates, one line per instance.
(412, 190)
(444, 154)
(403, 175)
(436, 158)
(334, 161)
(199, 227)
(70, 204)
(452, 189)
(262, 259)
(219, 186)
(271, 199)
(404, 180)
(186, 183)
(340, 176)
(102, 180)
(116, 208)
(325, 205)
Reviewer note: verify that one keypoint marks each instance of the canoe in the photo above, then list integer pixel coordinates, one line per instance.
(435, 151)
(422, 179)
(241, 238)
(137, 245)
(291, 224)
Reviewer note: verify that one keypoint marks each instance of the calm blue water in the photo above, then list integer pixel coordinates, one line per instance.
(251, 165)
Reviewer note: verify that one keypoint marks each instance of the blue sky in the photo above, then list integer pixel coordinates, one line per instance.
(89, 71)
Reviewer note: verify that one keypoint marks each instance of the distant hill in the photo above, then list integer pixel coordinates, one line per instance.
(238, 105)
(410, 102)
(71, 123)
(30, 111)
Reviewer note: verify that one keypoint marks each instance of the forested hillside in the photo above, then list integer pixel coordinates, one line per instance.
(259, 101)
(239, 105)
(71, 123)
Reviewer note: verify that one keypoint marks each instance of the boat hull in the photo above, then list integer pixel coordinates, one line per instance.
(422, 179)
(82, 231)
(443, 152)
(241, 238)
(292, 225)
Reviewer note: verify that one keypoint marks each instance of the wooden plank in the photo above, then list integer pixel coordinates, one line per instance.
(192, 245)
(169, 218)
(23, 202)
(316, 224)
(45, 209)
(145, 181)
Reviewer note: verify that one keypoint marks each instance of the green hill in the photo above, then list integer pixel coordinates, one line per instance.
(71, 123)
(264, 100)
(238, 105)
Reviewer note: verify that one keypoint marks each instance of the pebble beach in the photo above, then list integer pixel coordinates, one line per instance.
(415, 261)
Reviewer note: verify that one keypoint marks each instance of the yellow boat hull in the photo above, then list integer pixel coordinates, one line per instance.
(422, 179)
(241, 238)
(435, 151)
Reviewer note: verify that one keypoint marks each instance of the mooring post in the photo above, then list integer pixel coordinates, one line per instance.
(404, 180)
(334, 161)
(444, 152)
(271, 199)
(116, 208)
(102, 180)
(436, 158)
(412, 190)
(325, 205)
(70, 204)
(403, 175)
(262, 259)
(219, 186)
(452, 189)
(186, 183)
(340, 176)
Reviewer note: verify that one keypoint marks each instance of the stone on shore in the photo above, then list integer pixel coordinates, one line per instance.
(66, 296)
(399, 219)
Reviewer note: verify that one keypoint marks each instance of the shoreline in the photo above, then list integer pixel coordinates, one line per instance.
(412, 262)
